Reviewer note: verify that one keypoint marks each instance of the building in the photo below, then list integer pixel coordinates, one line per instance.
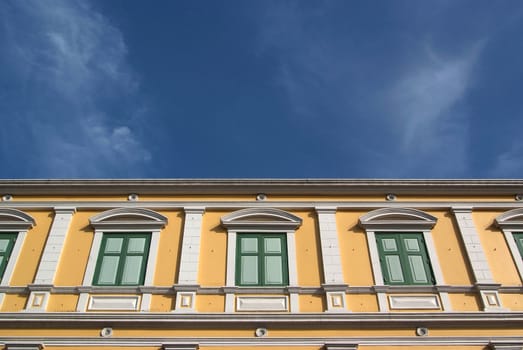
(265, 264)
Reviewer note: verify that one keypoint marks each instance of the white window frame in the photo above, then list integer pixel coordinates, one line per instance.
(265, 221)
(128, 220)
(14, 221)
(511, 222)
(396, 220)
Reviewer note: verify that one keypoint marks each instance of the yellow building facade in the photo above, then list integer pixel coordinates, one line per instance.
(265, 264)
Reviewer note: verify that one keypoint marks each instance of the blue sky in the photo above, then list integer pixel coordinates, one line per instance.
(258, 89)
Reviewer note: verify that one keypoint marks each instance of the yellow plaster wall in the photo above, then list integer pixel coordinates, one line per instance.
(355, 258)
(62, 303)
(29, 258)
(495, 246)
(213, 250)
(450, 250)
(162, 303)
(308, 251)
(210, 303)
(14, 302)
(75, 252)
(465, 302)
(513, 302)
(362, 302)
(169, 250)
(312, 303)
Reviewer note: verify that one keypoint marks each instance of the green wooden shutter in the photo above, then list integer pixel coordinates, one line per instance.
(122, 259)
(404, 259)
(261, 260)
(7, 242)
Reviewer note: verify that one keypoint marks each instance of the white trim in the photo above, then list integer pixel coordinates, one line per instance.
(291, 256)
(433, 256)
(375, 259)
(287, 205)
(419, 302)
(113, 303)
(151, 260)
(262, 303)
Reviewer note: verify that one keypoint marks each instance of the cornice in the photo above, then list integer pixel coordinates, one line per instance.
(461, 319)
(266, 186)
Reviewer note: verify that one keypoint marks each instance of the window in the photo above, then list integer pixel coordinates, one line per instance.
(261, 255)
(122, 259)
(14, 226)
(511, 223)
(123, 254)
(261, 260)
(403, 258)
(7, 242)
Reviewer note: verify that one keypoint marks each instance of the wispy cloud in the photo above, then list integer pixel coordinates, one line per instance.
(424, 108)
(75, 93)
(397, 114)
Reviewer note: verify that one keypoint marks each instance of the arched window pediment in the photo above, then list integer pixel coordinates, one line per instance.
(121, 218)
(266, 218)
(15, 219)
(511, 219)
(397, 218)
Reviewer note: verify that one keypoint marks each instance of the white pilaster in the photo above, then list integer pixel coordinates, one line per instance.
(478, 260)
(53, 246)
(330, 250)
(188, 273)
(475, 253)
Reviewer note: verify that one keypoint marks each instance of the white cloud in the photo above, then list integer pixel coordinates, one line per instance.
(70, 63)
(397, 114)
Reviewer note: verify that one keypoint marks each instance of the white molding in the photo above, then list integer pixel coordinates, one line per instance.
(374, 258)
(54, 244)
(397, 218)
(433, 256)
(268, 218)
(419, 302)
(185, 302)
(14, 219)
(23, 346)
(152, 257)
(121, 218)
(262, 303)
(37, 301)
(287, 205)
(113, 303)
